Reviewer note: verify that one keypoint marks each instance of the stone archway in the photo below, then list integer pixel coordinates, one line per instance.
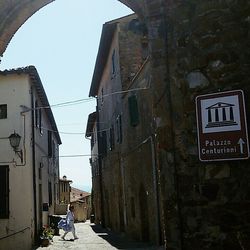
(13, 15)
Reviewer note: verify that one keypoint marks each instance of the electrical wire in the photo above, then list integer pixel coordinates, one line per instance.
(122, 92)
(71, 133)
(72, 156)
(70, 103)
(84, 100)
(79, 101)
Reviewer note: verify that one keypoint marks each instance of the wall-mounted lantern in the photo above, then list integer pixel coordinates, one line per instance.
(14, 142)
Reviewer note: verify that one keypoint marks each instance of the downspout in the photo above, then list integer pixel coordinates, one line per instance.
(100, 167)
(123, 193)
(169, 98)
(167, 93)
(34, 162)
(156, 189)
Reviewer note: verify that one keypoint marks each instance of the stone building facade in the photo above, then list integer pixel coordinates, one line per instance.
(81, 201)
(196, 48)
(95, 162)
(121, 82)
(64, 190)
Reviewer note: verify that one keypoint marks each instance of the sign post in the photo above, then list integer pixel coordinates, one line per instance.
(222, 127)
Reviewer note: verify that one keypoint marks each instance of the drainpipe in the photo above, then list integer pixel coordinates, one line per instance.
(123, 193)
(156, 189)
(34, 162)
(100, 167)
(169, 98)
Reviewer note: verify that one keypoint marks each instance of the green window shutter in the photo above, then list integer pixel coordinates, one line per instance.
(133, 110)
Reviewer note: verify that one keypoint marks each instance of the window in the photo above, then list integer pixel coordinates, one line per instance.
(40, 120)
(95, 168)
(94, 134)
(38, 117)
(4, 192)
(50, 153)
(3, 111)
(40, 170)
(50, 193)
(119, 129)
(92, 141)
(103, 143)
(93, 138)
(102, 98)
(51, 146)
(36, 114)
(113, 64)
(111, 138)
(133, 110)
(54, 149)
(132, 200)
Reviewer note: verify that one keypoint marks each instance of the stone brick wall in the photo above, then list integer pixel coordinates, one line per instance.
(131, 49)
(198, 47)
(138, 163)
(208, 53)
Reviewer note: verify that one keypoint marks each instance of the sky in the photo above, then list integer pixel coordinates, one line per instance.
(61, 40)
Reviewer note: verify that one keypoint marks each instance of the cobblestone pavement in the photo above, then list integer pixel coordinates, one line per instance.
(93, 236)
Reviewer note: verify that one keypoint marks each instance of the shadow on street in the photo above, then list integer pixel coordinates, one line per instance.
(120, 241)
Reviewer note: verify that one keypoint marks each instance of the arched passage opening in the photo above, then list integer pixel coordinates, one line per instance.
(14, 14)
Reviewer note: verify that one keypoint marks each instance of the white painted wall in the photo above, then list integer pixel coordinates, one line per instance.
(15, 90)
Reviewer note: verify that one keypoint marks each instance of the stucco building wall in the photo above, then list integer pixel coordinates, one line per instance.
(20, 177)
(32, 196)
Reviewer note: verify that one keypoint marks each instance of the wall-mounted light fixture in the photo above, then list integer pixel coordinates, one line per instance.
(14, 142)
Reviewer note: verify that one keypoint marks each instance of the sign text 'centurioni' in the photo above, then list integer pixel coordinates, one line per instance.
(222, 129)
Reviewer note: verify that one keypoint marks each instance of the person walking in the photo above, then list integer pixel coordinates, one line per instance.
(70, 223)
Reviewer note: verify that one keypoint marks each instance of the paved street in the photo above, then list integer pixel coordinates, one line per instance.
(94, 237)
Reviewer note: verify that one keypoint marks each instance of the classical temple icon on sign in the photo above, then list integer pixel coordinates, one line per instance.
(220, 114)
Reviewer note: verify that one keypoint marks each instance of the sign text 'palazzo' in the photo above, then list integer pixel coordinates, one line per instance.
(222, 129)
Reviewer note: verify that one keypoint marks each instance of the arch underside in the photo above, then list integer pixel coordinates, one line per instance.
(13, 15)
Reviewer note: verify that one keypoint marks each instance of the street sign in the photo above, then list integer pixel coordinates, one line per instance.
(222, 127)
